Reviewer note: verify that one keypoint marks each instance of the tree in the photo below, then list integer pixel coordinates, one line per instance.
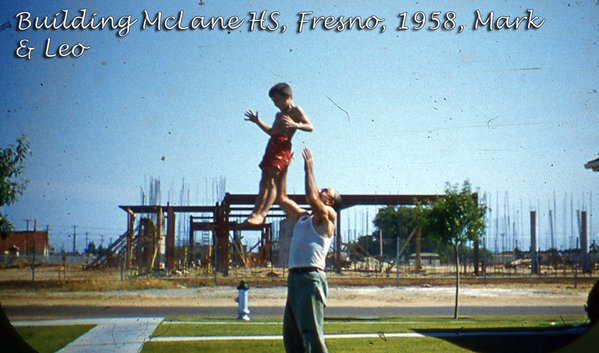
(519, 254)
(102, 251)
(91, 249)
(12, 162)
(363, 247)
(395, 222)
(456, 218)
(401, 221)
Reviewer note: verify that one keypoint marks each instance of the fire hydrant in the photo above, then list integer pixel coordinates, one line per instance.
(243, 310)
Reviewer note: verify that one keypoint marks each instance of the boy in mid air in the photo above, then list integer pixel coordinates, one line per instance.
(278, 151)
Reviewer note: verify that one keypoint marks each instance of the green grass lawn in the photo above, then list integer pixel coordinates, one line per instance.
(186, 326)
(339, 345)
(51, 338)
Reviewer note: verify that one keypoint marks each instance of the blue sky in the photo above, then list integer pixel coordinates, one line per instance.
(513, 111)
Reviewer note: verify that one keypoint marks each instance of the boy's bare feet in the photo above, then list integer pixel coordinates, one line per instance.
(254, 219)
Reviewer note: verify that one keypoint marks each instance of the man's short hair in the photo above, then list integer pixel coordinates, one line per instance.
(337, 200)
(281, 89)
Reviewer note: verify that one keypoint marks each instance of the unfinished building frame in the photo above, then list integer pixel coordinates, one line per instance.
(218, 220)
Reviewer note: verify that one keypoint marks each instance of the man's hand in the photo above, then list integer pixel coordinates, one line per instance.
(253, 117)
(308, 161)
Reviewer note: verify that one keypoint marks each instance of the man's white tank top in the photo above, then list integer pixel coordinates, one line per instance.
(308, 247)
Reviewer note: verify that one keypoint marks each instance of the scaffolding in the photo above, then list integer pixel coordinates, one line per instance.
(219, 221)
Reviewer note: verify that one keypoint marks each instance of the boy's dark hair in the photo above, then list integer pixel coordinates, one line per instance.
(282, 89)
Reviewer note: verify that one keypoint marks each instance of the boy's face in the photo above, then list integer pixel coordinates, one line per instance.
(281, 101)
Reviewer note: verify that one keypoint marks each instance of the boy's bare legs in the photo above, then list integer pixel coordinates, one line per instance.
(254, 217)
(271, 193)
(282, 198)
(266, 196)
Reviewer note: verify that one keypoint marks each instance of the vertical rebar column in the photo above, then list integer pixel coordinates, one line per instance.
(584, 243)
(170, 239)
(155, 256)
(338, 244)
(533, 243)
(476, 247)
(191, 245)
(223, 244)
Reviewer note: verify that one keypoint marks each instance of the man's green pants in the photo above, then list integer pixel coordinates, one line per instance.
(304, 312)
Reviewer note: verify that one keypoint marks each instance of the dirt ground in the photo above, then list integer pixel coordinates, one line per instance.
(338, 296)
(267, 288)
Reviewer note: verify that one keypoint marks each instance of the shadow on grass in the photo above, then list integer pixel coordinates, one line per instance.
(494, 340)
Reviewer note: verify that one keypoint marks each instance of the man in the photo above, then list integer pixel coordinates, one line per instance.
(307, 284)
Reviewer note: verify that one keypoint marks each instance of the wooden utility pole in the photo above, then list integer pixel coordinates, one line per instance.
(397, 263)
(418, 258)
(381, 243)
(130, 226)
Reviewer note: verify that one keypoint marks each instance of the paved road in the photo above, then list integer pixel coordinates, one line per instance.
(40, 312)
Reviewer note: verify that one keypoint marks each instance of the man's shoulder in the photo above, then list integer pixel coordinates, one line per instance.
(328, 216)
(332, 215)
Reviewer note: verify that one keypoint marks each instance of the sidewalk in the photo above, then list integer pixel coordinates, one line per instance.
(110, 335)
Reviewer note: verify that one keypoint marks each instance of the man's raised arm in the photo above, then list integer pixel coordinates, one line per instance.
(319, 209)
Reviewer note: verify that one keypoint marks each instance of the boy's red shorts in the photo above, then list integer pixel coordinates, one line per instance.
(278, 153)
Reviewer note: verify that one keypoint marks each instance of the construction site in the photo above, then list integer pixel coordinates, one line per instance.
(215, 238)
(217, 243)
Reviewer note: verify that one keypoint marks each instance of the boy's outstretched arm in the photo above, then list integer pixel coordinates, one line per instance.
(291, 208)
(255, 118)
